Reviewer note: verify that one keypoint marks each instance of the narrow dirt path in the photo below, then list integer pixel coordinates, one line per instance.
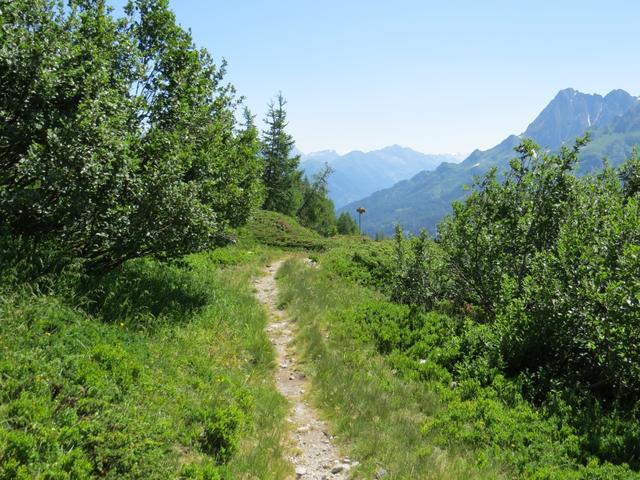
(312, 452)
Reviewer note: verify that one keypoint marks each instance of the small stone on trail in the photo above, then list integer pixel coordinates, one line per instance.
(381, 473)
(337, 469)
(300, 471)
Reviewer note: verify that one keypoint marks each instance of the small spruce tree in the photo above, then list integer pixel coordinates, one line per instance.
(346, 224)
(281, 177)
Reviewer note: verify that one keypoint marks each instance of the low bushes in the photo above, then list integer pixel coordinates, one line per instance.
(533, 289)
(487, 411)
(151, 371)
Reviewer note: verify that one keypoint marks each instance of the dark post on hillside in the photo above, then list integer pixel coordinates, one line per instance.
(360, 211)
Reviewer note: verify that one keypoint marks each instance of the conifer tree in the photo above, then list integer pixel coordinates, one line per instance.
(281, 177)
(346, 224)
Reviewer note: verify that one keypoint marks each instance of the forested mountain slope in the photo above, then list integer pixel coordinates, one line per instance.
(358, 174)
(423, 200)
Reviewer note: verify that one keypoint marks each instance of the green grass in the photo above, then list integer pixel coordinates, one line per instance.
(378, 415)
(165, 371)
(154, 371)
(278, 230)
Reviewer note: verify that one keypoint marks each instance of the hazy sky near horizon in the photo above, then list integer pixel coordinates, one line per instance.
(436, 76)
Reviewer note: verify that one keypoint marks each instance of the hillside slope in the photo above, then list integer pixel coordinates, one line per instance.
(152, 371)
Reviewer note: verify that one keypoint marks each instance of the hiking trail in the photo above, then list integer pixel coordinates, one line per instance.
(310, 448)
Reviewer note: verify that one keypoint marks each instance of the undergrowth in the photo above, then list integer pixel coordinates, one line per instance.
(415, 393)
(152, 371)
(377, 413)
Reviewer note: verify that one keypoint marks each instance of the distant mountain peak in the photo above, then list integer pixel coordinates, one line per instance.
(567, 92)
(322, 153)
(395, 148)
(618, 92)
(572, 112)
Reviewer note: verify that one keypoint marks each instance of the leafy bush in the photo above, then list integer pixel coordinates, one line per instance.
(553, 262)
(537, 278)
(421, 276)
(206, 471)
(497, 231)
(220, 434)
(120, 137)
(578, 316)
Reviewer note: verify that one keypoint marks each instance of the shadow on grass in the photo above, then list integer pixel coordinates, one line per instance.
(144, 293)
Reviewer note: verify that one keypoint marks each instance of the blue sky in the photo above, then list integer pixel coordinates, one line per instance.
(445, 76)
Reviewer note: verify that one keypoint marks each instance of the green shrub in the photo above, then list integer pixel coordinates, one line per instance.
(205, 471)
(578, 317)
(220, 434)
(364, 261)
(420, 276)
(499, 228)
(541, 271)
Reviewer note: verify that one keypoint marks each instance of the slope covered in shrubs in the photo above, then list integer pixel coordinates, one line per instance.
(522, 317)
(279, 230)
(152, 371)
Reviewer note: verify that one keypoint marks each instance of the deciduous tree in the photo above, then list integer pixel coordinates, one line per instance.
(118, 137)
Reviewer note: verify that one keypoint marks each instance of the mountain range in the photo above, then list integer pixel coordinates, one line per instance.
(358, 174)
(422, 201)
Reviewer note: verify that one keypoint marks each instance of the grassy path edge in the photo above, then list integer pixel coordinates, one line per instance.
(375, 414)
